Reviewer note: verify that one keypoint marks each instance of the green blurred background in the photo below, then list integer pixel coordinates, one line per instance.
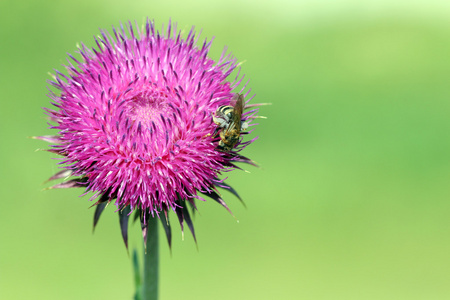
(353, 197)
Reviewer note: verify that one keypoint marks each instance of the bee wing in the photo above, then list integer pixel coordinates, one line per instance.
(234, 99)
(238, 109)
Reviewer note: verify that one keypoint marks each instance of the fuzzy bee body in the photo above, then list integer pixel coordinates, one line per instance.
(228, 119)
(223, 116)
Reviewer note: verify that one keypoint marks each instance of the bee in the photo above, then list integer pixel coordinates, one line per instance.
(228, 119)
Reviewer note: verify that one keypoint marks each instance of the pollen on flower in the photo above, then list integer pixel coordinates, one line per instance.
(134, 120)
(147, 106)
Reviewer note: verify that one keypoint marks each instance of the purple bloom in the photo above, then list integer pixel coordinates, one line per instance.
(135, 122)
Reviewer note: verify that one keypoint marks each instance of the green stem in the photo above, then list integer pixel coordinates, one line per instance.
(151, 260)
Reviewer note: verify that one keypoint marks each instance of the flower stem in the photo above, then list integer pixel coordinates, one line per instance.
(151, 260)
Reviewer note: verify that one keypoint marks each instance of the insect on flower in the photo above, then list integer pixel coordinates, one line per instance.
(132, 115)
(230, 125)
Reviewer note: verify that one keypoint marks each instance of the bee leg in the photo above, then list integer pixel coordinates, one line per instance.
(221, 147)
(216, 131)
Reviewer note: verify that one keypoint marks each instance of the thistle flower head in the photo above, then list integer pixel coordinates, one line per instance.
(135, 123)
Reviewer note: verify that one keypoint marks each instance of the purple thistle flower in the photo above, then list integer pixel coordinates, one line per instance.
(135, 123)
